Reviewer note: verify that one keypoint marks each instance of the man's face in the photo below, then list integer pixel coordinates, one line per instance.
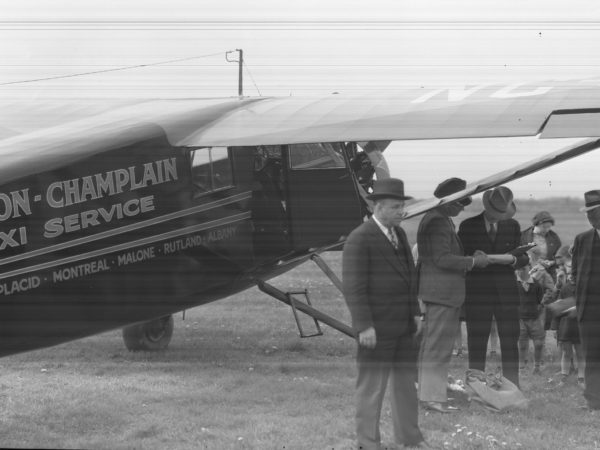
(593, 216)
(489, 218)
(389, 211)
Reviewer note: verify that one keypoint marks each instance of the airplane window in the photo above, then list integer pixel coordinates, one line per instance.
(211, 169)
(316, 156)
(201, 175)
(221, 167)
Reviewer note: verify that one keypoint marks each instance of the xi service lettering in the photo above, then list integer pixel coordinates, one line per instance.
(60, 194)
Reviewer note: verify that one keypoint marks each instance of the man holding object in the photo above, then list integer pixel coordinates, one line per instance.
(380, 288)
(491, 292)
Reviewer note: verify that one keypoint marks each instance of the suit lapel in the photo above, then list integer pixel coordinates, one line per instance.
(404, 256)
(455, 238)
(483, 230)
(397, 259)
(588, 244)
(383, 245)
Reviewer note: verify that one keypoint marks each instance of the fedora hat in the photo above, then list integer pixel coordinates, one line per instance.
(452, 186)
(592, 200)
(388, 188)
(498, 203)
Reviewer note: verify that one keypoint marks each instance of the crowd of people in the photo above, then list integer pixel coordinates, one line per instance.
(407, 306)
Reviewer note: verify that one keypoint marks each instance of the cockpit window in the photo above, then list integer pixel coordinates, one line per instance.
(316, 156)
(211, 169)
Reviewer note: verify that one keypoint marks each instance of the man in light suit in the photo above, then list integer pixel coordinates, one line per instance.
(442, 268)
(492, 292)
(380, 288)
(586, 272)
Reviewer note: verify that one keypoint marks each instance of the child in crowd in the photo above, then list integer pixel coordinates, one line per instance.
(567, 334)
(531, 323)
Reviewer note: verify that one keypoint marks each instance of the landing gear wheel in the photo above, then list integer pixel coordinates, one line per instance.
(149, 336)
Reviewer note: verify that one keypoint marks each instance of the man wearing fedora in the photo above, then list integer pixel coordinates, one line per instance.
(380, 288)
(442, 269)
(491, 292)
(586, 272)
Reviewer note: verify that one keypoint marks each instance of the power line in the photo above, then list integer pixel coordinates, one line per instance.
(252, 78)
(109, 70)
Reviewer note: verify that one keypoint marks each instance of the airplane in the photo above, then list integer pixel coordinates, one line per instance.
(121, 214)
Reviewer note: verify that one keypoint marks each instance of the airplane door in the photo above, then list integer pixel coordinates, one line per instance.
(323, 202)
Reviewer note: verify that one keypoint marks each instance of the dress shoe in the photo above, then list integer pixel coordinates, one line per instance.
(439, 407)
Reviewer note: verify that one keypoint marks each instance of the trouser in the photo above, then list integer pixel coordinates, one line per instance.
(531, 329)
(439, 333)
(590, 340)
(398, 367)
(479, 313)
(566, 358)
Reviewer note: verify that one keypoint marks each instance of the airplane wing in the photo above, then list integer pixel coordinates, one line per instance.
(562, 109)
(557, 109)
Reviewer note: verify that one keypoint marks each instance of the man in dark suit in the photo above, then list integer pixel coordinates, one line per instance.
(586, 272)
(442, 270)
(380, 288)
(492, 292)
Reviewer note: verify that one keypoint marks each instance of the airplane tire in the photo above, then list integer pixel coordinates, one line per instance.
(149, 336)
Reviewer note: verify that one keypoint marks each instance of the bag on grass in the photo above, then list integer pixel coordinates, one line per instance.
(495, 392)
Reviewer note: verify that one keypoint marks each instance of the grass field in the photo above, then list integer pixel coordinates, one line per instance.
(237, 376)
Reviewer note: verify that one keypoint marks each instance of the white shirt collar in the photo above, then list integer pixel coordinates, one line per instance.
(380, 225)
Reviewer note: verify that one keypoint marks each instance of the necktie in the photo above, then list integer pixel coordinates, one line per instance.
(492, 231)
(393, 238)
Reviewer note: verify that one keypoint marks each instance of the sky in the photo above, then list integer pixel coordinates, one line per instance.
(315, 48)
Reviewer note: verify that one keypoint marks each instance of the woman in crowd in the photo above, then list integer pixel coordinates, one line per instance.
(547, 244)
(546, 240)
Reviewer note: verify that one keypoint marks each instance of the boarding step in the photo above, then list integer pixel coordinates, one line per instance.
(294, 301)
(304, 307)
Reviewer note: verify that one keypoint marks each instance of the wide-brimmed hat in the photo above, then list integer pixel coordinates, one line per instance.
(452, 186)
(541, 217)
(388, 188)
(592, 200)
(498, 203)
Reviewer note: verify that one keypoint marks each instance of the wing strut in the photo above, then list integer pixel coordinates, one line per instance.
(534, 165)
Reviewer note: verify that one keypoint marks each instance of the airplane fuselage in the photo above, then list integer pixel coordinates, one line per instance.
(145, 229)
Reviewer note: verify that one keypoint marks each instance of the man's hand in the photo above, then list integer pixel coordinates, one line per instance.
(418, 326)
(367, 338)
(480, 259)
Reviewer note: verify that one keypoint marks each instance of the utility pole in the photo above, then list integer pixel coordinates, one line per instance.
(240, 62)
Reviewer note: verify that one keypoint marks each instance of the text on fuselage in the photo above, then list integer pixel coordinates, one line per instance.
(63, 193)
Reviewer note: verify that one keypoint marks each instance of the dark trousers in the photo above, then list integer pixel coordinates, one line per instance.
(479, 311)
(393, 361)
(589, 329)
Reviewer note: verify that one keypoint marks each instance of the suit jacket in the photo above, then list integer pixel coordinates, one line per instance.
(581, 270)
(379, 283)
(495, 277)
(442, 264)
